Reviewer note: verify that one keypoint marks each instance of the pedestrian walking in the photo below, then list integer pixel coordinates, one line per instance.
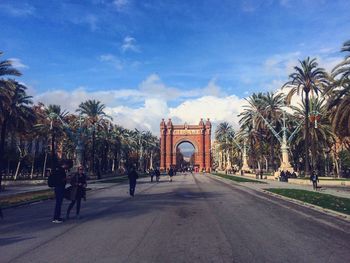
(151, 173)
(1, 214)
(58, 180)
(314, 179)
(171, 174)
(157, 173)
(133, 176)
(78, 191)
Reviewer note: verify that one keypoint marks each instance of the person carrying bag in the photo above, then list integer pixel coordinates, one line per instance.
(76, 191)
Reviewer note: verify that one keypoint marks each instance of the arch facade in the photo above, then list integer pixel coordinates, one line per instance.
(173, 135)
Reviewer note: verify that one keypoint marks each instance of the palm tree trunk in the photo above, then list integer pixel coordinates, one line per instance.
(44, 167)
(2, 148)
(272, 155)
(17, 169)
(307, 135)
(53, 161)
(32, 169)
(93, 153)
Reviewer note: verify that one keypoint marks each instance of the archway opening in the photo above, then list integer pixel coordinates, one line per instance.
(185, 156)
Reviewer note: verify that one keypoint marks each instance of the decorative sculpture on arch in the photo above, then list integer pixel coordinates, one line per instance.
(198, 135)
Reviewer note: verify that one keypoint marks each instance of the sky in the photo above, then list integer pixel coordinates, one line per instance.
(147, 60)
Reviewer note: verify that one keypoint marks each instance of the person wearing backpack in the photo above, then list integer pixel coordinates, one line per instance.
(58, 180)
(78, 190)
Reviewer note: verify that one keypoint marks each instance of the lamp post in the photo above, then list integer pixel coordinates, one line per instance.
(284, 141)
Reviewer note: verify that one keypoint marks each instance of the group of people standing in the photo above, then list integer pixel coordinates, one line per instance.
(154, 173)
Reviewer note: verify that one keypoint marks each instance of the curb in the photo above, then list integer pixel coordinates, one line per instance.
(311, 206)
(291, 200)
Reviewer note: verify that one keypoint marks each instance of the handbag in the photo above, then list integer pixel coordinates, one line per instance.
(67, 192)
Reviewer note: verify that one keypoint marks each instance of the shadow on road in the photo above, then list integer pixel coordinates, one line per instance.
(38, 217)
(10, 240)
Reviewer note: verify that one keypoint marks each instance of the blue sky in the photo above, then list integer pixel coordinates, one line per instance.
(151, 59)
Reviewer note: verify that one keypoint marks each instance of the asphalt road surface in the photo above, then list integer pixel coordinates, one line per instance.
(195, 218)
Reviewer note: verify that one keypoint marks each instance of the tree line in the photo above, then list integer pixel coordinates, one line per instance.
(34, 137)
(319, 123)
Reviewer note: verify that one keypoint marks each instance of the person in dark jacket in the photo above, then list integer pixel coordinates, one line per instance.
(60, 185)
(152, 174)
(157, 173)
(314, 179)
(133, 176)
(78, 190)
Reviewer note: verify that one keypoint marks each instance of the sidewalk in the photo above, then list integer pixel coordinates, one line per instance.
(336, 191)
(19, 189)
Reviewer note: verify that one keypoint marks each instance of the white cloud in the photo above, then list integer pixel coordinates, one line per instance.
(112, 60)
(149, 115)
(129, 44)
(17, 63)
(154, 87)
(218, 109)
(145, 117)
(70, 100)
(150, 102)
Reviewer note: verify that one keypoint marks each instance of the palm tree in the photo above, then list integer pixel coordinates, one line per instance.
(308, 78)
(252, 125)
(339, 96)
(6, 69)
(342, 70)
(94, 111)
(51, 123)
(224, 135)
(272, 104)
(322, 137)
(15, 112)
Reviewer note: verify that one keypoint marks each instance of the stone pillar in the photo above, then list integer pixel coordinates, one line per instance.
(169, 144)
(162, 145)
(208, 146)
(201, 150)
(285, 164)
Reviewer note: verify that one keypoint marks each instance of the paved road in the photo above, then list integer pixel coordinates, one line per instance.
(193, 219)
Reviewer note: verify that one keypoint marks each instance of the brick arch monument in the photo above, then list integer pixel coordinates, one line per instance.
(171, 136)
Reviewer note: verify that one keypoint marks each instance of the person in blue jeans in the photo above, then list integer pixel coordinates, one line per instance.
(78, 183)
(60, 185)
